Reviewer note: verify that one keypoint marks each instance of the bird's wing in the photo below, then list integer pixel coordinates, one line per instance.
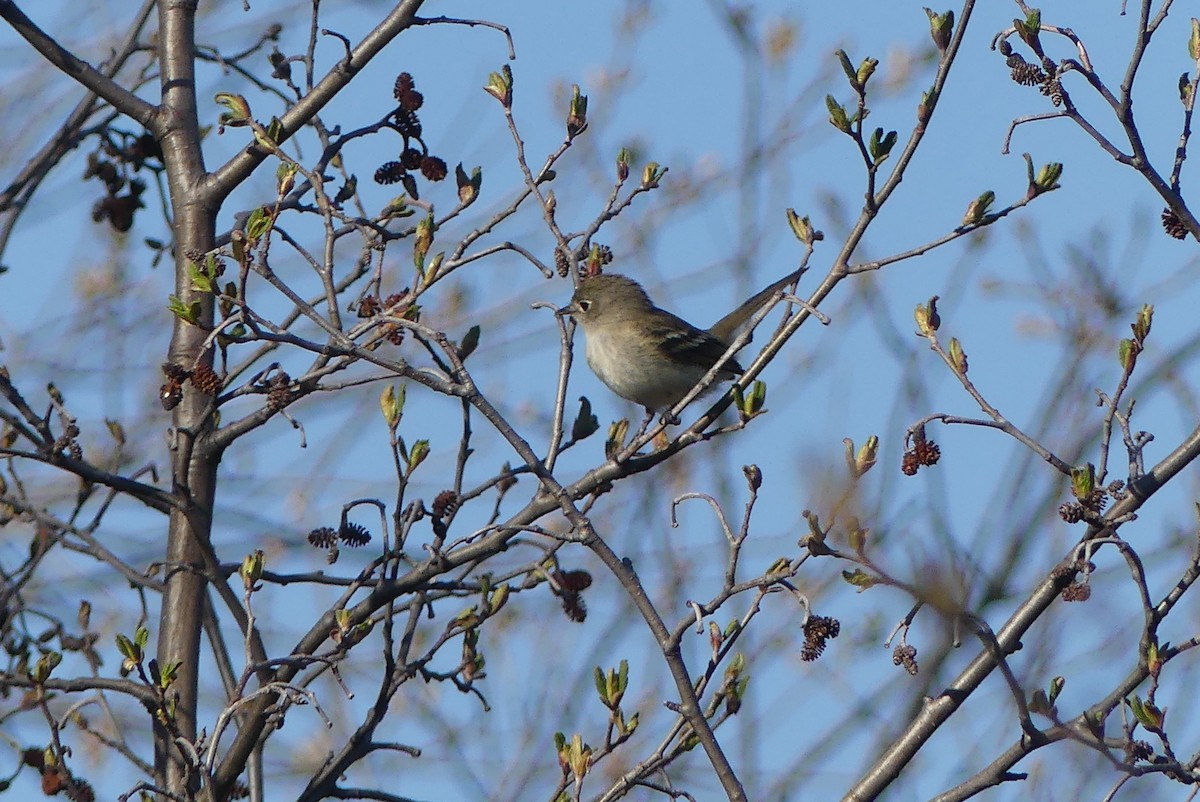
(683, 342)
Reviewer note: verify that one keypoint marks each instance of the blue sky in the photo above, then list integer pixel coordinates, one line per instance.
(671, 84)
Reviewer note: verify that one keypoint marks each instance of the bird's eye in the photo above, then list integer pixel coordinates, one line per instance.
(584, 305)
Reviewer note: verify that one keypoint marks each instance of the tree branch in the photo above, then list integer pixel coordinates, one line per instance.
(118, 96)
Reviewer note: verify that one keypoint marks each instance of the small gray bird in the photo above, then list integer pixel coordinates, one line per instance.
(648, 355)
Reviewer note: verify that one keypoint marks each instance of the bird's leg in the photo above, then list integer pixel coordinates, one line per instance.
(645, 424)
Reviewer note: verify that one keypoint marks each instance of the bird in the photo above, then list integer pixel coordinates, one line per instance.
(648, 355)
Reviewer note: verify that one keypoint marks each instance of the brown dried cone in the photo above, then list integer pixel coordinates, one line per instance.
(354, 535)
(928, 452)
(433, 168)
(923, 451)
(408, 123)
(406, 94)
(1071, 511)
(412, 100)
(279, 395)
(445, 503)
(818, 630)
(369, 306)
(323, 537)
(1052, 89)
(80, 791)
(561, 263)
(1096, 501)
(1025, 73)
(170, 394)
(906, 655)
(1065, 577)
(1139, 750)
(1077, 591)
(571, 585)
(411, 159)
(177, 372)
(390, 173)
(404, 83)
(394, 333)
(1173, 225)
(206, 380)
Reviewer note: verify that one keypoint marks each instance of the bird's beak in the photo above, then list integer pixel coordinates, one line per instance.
(567, 311)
